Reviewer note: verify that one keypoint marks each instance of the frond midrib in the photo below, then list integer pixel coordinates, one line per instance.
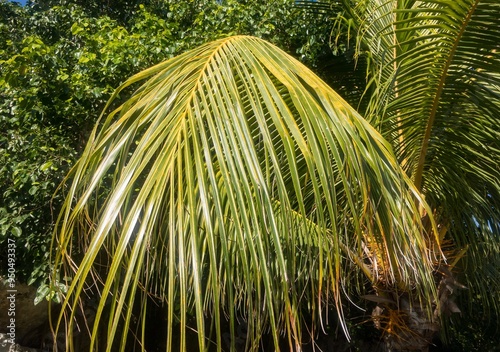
(432, 115)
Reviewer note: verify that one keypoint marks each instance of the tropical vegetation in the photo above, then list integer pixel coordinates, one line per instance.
(233, 195)
(60, 61)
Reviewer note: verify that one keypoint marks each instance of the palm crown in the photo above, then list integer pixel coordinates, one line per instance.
(435, 96)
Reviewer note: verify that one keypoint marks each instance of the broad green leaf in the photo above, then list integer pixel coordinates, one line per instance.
(46, 166)
(16, 231)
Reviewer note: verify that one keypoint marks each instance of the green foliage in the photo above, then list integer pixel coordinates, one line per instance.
(61, 60)
(434, 94)
(35, 148)
(118, 10)
(475, 331)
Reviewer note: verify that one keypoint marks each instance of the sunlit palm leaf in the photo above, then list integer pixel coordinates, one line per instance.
(234, 181)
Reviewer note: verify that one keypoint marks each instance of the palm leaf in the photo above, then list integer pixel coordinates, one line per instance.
(234, 182)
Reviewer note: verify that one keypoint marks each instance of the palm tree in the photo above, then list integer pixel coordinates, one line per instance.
(235, 182)
(235, 185)
(434, 95)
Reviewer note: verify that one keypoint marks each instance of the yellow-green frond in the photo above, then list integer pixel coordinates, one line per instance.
(235, 184)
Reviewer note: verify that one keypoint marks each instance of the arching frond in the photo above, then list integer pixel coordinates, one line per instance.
(235, 182)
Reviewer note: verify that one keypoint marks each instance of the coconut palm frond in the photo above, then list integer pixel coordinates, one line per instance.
(231, 181)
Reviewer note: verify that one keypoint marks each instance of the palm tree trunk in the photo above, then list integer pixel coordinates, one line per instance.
(405, 323)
